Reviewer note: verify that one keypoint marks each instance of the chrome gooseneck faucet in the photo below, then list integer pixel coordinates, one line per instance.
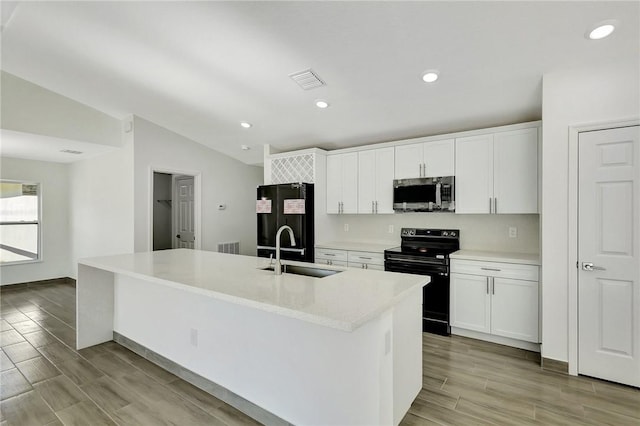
(277, 268)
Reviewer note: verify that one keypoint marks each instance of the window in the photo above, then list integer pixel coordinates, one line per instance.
(19, 222)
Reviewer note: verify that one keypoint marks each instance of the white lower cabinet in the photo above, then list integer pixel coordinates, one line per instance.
(365, 260)
(499, 299)
(331, 257)
(351, 259)
(470, 302)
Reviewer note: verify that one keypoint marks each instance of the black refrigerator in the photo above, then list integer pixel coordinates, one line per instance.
(286, 204)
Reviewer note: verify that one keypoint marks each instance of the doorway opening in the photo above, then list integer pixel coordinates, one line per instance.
(174, 211)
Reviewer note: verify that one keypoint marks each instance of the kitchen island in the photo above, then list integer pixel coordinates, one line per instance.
(342, 349)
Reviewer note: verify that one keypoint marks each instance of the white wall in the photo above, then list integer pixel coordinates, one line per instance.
(223, 181)
(29, 108)
(54, 181)
(587, 96)
(101, 205)
(477, 232)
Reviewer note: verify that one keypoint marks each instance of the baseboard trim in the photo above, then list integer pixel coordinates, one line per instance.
(555, 365)
(249, 408)
(50, 281)
(521, 344)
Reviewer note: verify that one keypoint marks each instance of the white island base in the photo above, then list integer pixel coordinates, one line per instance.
(300, 371)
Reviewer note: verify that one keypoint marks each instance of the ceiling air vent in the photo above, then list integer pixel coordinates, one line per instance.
(70, 151)
(307, 79)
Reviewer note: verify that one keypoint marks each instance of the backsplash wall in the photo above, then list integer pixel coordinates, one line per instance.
(477, 232)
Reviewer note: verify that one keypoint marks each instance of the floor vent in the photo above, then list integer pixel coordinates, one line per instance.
(231, 248)
(307, 79)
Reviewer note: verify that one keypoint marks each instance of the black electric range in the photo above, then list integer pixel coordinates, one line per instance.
(426, 252)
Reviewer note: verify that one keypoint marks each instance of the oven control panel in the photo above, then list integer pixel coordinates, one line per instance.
(418, 232)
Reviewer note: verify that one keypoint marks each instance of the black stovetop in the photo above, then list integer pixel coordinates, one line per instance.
(433, 243)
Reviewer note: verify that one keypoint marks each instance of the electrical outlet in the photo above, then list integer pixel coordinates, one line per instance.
(391, 229)
(346, 227)
(513, 232)
(194, 337)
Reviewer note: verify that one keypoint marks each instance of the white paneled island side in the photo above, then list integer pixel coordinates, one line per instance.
(342, 349)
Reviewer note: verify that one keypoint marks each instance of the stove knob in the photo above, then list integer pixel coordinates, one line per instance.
(412, 232)
(445, 233)
(452, 233)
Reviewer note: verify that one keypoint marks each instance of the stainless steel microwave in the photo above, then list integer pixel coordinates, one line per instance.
(435, 194)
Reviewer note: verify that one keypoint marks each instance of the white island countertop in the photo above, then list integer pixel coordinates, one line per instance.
(343, 301)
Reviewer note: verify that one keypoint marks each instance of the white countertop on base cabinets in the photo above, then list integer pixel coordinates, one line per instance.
(495, 256)
(357, 246)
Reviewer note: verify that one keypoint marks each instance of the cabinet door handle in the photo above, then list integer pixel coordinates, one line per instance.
(495, 205)
(373, 209)
(490, 206)
(487, 285)
(376, 207)
(493, 286)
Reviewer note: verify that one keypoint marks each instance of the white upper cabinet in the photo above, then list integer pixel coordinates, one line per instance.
(426, 159)
(342, 183)
(497, 173)
(375, 180)
(474, 177)
(515, 171)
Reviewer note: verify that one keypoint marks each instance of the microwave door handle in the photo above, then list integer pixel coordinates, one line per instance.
(438, 194)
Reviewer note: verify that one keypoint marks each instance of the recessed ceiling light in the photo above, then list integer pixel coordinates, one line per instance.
(245, 147)
(322, 104)
(601, 30)
(245, 124)
(430, 76)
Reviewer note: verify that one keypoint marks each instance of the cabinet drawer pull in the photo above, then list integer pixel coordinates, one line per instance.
(490, 269)
(329, 254)
(363, 257)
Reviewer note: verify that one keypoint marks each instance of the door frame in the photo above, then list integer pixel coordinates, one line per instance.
(197, 213)
(572, 234)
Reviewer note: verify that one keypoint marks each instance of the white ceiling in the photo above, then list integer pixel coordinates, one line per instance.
(200, 68)
(46, 148)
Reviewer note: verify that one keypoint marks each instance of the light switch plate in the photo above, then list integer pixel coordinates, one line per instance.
(513, 232)
(346, 227)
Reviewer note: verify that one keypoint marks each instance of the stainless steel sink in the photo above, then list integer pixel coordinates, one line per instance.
(308, 271)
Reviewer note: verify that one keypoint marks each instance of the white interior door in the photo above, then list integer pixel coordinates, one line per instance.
(608, 253)
(185, 229)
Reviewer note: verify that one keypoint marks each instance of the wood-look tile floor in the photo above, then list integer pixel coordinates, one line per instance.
(44, 381)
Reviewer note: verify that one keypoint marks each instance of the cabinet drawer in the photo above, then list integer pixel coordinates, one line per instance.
(332, 254)
(366, 266)
(331, 262)
(370, 258)
(495, 269)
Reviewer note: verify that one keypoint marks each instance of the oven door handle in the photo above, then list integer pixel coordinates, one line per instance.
(400, 259)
